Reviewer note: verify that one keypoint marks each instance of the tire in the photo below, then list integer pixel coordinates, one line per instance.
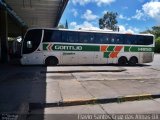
(51, 61)
(122, 61)
(133, 61)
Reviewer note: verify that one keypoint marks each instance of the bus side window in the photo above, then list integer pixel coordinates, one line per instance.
(128, 40)
(140, 40)
(56, 36)
(118, 39)
(106, 39)
(72, 37)
(91, 38)
(64, 36)
(83, 37)
(112, 39)
(148, 40)
(98, 39)
(121, 39)
(52, 36)
(47, 36)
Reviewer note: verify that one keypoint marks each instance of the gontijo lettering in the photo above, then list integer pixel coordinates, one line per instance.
(63, 47)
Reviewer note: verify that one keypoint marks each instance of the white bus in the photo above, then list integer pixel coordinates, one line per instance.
(69, 47)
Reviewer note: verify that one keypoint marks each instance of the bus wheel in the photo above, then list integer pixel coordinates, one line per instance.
(133, 61)
(51, 61)
(122, 61)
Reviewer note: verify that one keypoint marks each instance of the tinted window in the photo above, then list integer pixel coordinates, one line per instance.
(32, 41)
(83, 37)
(131, 39)
(52, 36)
(145, 40)
(118, 39)
(102, 38)
(72, 37)
(65, 36)
(148, 40)
(138, 40)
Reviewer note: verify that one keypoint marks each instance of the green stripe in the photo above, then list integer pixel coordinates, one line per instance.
(90, 48)
(110, 48)
(126, 48)
(62, 47)
(106, 54)
(138, 49)
(45, 46)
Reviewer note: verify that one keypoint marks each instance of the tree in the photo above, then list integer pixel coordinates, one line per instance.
(66, 26)
(155, 31)
(109, 21)
(61, 26)
(157, 45)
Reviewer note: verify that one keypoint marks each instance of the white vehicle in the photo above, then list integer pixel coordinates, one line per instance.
(68, 47)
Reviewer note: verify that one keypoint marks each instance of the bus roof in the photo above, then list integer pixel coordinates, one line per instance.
(92, 31)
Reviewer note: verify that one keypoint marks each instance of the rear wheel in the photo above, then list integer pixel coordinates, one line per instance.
(122, 61)
(51, 61)
(133, 61)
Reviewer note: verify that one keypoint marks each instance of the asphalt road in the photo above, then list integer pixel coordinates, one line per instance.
(25, 84)
(156, 61)
(141, 77)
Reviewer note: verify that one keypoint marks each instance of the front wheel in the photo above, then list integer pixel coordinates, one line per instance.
(51, 61)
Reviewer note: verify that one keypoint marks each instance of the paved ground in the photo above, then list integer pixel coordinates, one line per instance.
(38, 84)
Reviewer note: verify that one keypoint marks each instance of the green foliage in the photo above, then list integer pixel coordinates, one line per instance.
(61, 26)
(156, 32)
(109, 21)
(157, 45)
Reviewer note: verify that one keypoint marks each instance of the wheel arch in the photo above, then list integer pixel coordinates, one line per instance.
(137, 61)
(51, 57)
(122, 60)
(123, 57)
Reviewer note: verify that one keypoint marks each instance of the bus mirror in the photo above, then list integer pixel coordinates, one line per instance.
(29, 44)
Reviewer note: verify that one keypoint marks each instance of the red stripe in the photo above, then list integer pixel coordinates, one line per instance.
(104, 48)
(114, 54)
(118, 48)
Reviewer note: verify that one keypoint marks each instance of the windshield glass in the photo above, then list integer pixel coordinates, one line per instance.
(32, 41)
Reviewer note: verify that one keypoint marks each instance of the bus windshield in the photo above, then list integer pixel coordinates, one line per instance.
(31, 41)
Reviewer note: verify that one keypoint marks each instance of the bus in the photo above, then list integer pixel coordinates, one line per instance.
(72, 47)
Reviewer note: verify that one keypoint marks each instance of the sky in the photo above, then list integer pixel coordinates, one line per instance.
(134, 16)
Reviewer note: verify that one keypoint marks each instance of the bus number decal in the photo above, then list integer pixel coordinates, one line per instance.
(138, 49)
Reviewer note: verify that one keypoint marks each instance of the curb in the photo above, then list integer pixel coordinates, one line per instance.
(74, 71)
(95, 101)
